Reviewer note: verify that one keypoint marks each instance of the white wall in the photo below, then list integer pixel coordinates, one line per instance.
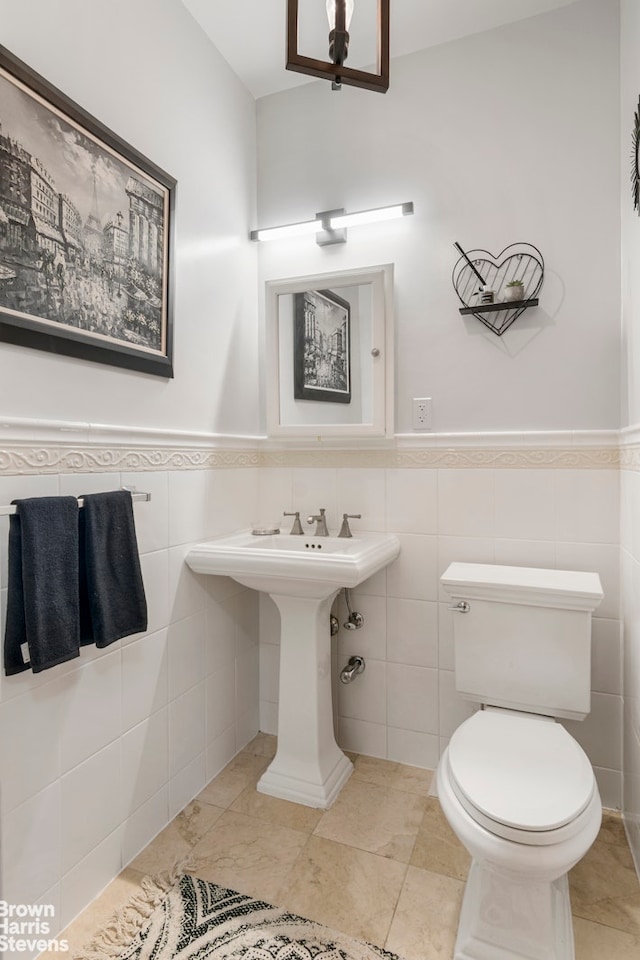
(630, 415)
(509, 135)
(630, 91)
(145, 69)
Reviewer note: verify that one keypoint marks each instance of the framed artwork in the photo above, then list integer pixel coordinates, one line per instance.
(322, 347)
(635, 160)
(86, 232)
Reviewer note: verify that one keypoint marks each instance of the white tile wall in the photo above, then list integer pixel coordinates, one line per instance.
(98, 753)
(312, 489)
(220, 700)
(159, 714)
(361, 491)
(188, 728)
(155, 573)
(186, 653)
(412, 698)
(361, 736)
(93, 873)
(411, 632)
(220, 751)
(405, 706)
(32, 725)
(365, 699)
(92, 800)
(630, 591)
(145, 670)
(186, 784)
(577, 520)
(412, 501)
(275, 496)
(466, 503)
(417, 749)
(413, 576)
(143, 824)
(374, 611)
(32, 846)
(91, 707)
(145, 760)
(525, 505)
(606, 656)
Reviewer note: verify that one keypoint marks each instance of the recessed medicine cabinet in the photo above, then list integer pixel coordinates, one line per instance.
(329, 348)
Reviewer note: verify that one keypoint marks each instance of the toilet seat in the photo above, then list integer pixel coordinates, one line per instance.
(520, 776)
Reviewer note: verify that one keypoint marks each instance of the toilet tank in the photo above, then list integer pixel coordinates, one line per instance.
(525, 640)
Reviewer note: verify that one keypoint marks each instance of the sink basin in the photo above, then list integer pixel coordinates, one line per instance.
(302, 575)
(295, 565)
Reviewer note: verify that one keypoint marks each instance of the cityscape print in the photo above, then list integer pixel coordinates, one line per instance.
(322, 347)
(82, 230)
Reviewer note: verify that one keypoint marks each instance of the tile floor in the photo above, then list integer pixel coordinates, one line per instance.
(381, 865)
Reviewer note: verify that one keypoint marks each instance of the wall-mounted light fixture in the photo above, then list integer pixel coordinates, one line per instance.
(330, 226)
(339, 13)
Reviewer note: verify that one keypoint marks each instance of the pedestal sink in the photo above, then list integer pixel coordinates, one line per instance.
(302, 575)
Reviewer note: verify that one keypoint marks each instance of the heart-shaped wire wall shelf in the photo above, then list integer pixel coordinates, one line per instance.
(478, 268)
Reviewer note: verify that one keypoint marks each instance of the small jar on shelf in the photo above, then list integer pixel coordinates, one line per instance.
(514, 290)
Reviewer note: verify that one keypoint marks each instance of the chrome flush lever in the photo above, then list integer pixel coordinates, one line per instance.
(461, 606)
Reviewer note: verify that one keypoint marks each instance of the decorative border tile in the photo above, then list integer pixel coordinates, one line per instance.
(38, 447)
(630, 457)
(433, 457)
(550, 458)
(88, 459)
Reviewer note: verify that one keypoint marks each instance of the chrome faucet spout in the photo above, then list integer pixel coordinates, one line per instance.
(321, 523)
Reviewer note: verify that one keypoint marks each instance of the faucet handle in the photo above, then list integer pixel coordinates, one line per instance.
(345, 530)
(296, 529)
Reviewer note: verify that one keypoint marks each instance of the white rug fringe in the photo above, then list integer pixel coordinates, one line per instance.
(127, 922)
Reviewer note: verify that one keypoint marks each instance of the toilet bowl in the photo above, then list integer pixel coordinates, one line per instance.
(516, 904)
(516, 788)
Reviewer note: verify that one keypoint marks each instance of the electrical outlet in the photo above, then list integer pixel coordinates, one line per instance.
(422, 413)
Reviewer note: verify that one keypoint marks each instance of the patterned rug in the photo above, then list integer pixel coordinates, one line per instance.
(197, 920)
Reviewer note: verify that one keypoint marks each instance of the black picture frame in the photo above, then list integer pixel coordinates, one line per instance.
(78, 276)
(321, 347)
(635, 160)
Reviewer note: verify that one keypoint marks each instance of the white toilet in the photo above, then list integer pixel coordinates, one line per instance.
(517, 789)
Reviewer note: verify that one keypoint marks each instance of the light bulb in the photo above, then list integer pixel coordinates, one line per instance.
(331, 13)
(289, 230)
(370, 216)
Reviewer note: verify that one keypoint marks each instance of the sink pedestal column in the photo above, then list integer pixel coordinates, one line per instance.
(309, 766)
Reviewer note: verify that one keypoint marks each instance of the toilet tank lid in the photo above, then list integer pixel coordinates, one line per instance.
(571, 589)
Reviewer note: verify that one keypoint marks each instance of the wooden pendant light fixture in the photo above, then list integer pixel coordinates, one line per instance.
(334, 69)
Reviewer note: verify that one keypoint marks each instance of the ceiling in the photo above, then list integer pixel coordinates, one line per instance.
(250, 34)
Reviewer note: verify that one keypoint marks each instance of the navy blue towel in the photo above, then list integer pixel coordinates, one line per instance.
(43, 623)
(112, 599)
